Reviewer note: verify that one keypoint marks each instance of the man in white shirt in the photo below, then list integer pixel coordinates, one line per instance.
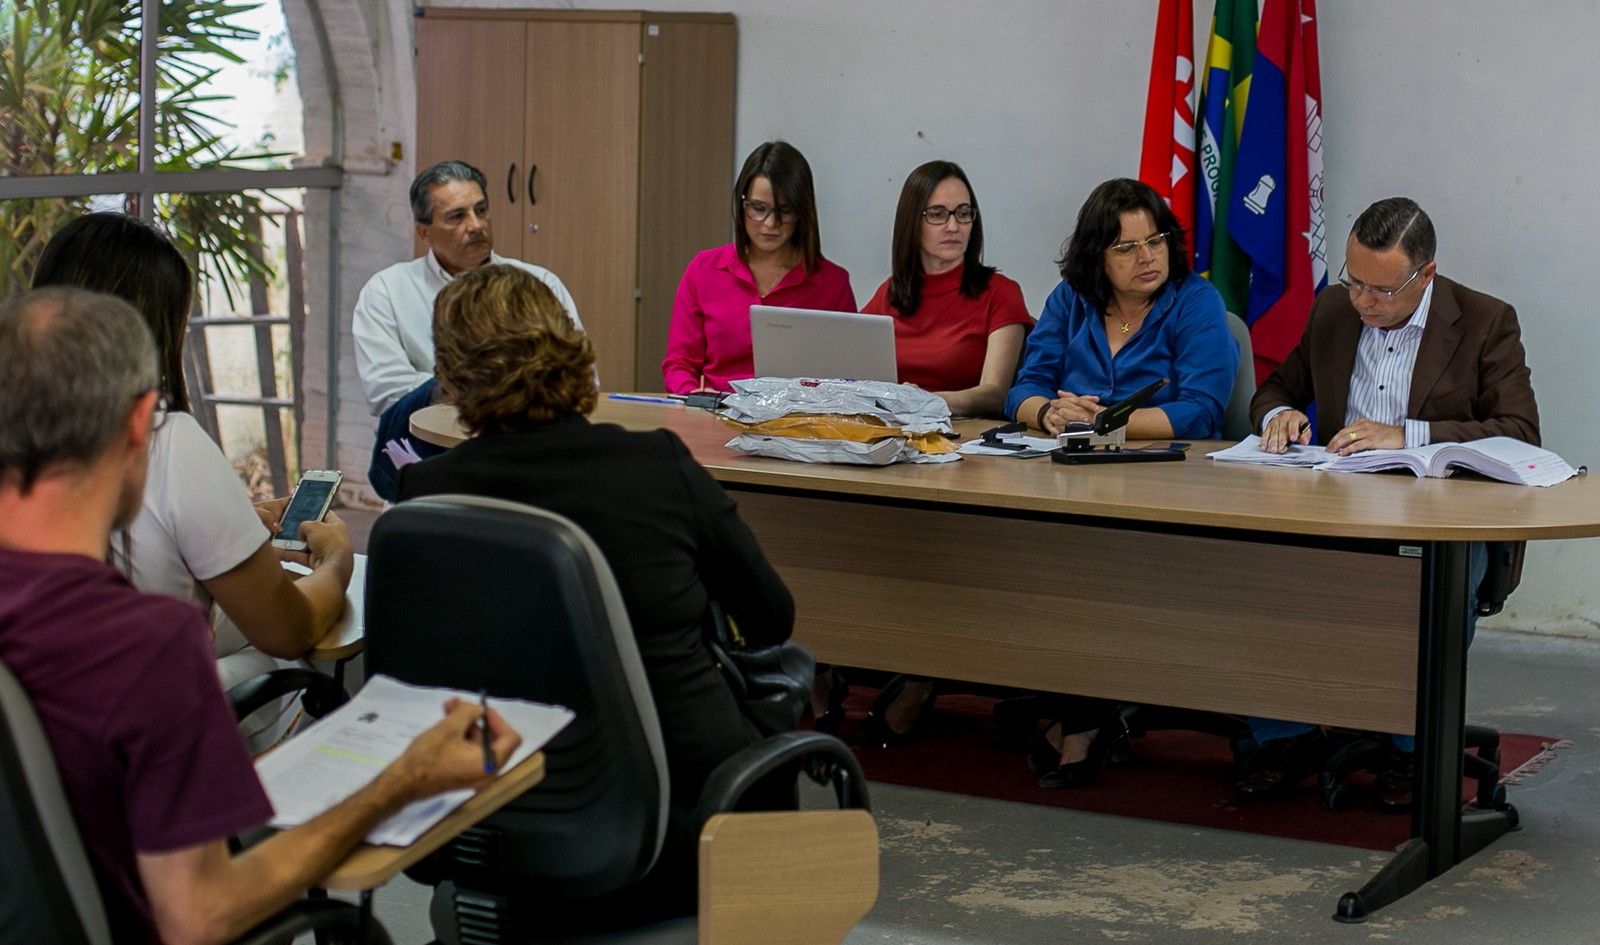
(393, 324)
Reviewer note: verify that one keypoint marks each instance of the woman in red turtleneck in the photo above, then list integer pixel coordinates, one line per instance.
(958, 324)
(958, 331)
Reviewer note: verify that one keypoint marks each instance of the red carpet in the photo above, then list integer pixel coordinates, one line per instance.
(1178, 776)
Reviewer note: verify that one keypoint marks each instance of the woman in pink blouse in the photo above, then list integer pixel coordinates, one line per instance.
(774, 259)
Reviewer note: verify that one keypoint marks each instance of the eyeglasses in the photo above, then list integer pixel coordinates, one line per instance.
(757, 212)
(939, 215)
(1356, 288)
(1156, 244)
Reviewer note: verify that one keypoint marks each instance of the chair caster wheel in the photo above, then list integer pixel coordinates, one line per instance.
(1335, 796)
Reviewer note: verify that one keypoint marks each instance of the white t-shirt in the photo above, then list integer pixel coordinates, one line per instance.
(393, 324)
(195, 523)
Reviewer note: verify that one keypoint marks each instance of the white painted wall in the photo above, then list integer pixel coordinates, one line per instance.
(1480, 111)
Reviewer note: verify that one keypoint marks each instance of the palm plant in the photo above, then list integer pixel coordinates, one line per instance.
(69, 104)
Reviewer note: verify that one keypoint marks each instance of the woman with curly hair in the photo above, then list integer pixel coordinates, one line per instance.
(522, 379)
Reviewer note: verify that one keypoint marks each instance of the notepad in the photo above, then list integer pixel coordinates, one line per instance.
(1498, 457)
(344, 750)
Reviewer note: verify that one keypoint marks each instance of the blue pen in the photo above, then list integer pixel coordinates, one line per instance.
(645, 400)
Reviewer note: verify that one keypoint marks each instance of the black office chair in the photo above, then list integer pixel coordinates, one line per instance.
(319, 693)
(1365, 751)
(47, 888)
(476, 593)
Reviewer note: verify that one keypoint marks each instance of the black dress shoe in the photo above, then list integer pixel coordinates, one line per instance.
(1396, 781)
(1043, 757)
(832, 717)
(1111, 741)
(875, 729)
(1280, 766)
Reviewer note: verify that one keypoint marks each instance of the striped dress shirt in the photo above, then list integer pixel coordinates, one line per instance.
(1380, 381)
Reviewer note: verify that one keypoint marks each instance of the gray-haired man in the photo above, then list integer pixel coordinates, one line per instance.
(393, 325)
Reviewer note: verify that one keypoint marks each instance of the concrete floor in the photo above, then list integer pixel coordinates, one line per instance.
(959, 869)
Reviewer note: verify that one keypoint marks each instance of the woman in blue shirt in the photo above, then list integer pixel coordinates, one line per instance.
(1128, 312)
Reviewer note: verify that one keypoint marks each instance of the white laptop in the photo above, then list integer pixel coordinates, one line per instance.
(799, 342)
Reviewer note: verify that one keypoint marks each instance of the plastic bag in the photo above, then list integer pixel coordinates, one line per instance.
(897, 405)
(871, 423)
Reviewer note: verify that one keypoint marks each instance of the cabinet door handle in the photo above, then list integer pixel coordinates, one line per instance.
(511, 183)
(533, 170)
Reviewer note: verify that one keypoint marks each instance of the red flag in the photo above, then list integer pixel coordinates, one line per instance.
(1167, 162)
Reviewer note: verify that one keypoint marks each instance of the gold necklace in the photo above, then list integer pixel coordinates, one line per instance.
(1127, 324)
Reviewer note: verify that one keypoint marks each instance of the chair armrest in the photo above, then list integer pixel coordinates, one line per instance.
(339, 920)
(827, 760)
(321, 694)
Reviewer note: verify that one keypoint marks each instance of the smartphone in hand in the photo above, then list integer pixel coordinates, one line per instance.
(312, 496)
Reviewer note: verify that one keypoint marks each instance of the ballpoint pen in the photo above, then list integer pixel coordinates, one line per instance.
(483, 731)
(645, 400)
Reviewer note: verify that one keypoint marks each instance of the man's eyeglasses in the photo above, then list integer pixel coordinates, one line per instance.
(1156, 244)
(1356, 288)
(757, 212)
(158, 414)
(939, 214)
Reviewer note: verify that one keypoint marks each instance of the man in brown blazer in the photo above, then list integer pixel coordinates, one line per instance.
(1463, 375)
(1395, 356)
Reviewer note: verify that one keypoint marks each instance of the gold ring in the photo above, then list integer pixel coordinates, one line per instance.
(1354, 437)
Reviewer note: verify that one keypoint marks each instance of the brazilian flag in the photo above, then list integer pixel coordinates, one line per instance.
(1230, 55)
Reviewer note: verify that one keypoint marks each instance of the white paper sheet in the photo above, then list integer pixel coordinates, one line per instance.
(342, 752)
(1035, 446)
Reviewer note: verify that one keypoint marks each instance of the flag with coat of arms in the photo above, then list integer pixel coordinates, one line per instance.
(1275, 211)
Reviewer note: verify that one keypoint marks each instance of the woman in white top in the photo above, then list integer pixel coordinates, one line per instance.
(197, 535)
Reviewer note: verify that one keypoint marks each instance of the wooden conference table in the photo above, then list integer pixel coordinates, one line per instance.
(1285, 593)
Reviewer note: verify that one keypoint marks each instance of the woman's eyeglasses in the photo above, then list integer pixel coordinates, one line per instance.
(1156, 244)
(757, 212)
(939, 215)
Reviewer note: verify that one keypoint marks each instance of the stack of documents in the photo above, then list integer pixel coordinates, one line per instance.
(342, 752)
(1248, 450)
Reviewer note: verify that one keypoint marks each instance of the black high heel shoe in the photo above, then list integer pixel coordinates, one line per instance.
(832, 717)
(875, 730)
(1112, 745)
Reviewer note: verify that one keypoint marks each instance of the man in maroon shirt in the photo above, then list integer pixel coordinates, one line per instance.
(153, 765)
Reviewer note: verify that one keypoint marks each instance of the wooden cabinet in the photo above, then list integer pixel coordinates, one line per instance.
(607, 139)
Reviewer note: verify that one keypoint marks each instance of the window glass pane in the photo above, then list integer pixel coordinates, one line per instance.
(246, 250)
(26, 225)
(239, 99)
(69, 87)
